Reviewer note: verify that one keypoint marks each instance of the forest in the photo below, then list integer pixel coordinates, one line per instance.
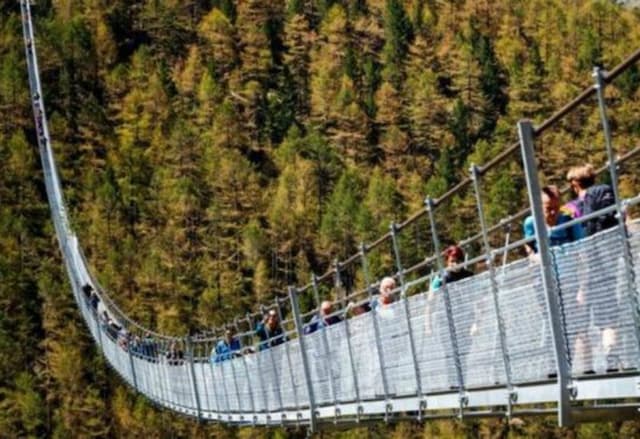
(214, 152)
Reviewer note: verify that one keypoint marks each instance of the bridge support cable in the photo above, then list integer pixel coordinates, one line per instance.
(376, 330)
(287, 348)
(229, 363)
(258, 379)
(263, 386)
(192, 373)
(525, 134)
(134, 378)
(157, 354)
(295, 308)
(476, 177)
(613, 174)
(219, 367)
(276, 376)
(217, 391)
(236, 326)
(327, 357)
(405, 304)
(430, 206)
(347, 338)
(201, 373)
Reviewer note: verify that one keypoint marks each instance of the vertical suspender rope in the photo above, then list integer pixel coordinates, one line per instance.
(295, 308)
(229, 362)
(447, 303)
(276, 375)
(243, 360)
(327, 360)
(475, 175)
(376, 331)
(260, 359)
(405, 305)
(288, 354)
(626, 252)
(256, 355)
(196, 395)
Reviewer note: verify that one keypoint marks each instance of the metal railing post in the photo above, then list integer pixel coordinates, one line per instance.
(295, 308)
(229, 362)
(447, 304)
(475, 176)
(405, 304)
(192, 371)
(225, 390)
(133, 369)
(246, 370)
(289, 364)
(276, 374)
(525, 134)
(613, 173)
(257, 356)
(325, 341)
(259, 361)
(376, 330)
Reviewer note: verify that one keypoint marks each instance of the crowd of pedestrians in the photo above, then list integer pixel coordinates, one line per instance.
(588, 198)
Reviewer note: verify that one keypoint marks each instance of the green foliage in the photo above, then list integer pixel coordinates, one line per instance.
(215, 151)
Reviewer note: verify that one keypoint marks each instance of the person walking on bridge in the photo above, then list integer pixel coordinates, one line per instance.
(269, 331)
(322, 319)
(553, 216)
(227, 348)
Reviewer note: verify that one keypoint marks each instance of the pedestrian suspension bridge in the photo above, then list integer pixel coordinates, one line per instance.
(500, 343)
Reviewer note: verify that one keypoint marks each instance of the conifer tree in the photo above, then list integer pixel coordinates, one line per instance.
(298, 38)
(398, 34)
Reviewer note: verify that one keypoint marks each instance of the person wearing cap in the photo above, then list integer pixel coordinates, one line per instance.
(324, 318)
(226, 348)
(269, 331)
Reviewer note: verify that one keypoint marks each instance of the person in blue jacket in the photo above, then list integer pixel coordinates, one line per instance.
(227, 348)
(270, 332)
(323, 319)
(553, 216)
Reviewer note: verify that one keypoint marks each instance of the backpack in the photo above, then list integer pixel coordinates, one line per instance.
(598, 197)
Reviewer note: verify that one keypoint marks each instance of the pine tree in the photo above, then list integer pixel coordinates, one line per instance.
(219, 48)
(298, 39)
(339, 217)
(398, 33)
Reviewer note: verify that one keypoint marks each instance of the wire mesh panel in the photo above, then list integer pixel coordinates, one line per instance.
(596, 297)
(254, 371)
(227, 379)
(340, 364)
(398, 363)
(524, 310)
(476, 328)
(245, 401)
(288, 389)
(269, 374)
(211, 389)
(320, 365)
(178, 382)
(298, 373)
(433, 342)
(222, 386)
(365, 356)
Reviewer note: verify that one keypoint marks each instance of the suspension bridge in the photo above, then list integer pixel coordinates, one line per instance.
(501, 343)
